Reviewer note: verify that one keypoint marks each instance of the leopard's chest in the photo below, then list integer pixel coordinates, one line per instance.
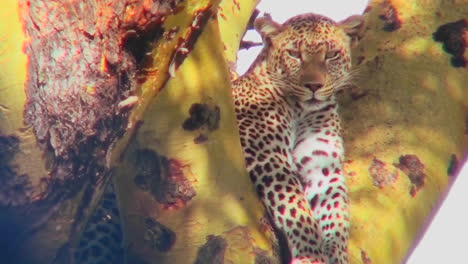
(318, 143)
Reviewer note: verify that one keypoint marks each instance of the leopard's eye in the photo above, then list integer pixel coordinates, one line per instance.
(295, 54)
(332, 55)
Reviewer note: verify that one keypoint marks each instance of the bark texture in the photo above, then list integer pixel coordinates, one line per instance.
(84, 63)
(404, 122)
(190, 140)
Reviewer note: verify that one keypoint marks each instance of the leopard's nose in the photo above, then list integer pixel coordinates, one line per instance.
(313, 86)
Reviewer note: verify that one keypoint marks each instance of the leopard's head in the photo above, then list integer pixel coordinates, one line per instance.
(309, 55)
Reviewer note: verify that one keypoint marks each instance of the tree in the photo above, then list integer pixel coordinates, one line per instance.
(404, 123)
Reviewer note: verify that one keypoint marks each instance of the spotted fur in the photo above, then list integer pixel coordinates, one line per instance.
(290, 131)
(102, 240)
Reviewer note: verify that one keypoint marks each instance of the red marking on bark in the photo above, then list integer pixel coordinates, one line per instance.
(185, 46)
(414, 168)
(164, 178)
(200, 139)
(213, 250)
(222, 16)
(365, 259)
(381, 175)
(390, 17)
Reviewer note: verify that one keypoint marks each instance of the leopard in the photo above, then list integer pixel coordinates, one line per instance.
(290, 132)
(102, 241)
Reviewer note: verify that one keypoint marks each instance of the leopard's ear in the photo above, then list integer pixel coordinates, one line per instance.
(353, 26)
(266, 27)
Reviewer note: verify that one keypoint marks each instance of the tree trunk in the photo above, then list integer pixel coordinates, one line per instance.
(404, 122)
(92, 69)
(183, 187)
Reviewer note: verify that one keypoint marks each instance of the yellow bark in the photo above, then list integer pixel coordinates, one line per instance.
(54, 231)
(12, 97)
(221, 213)
(409, 100)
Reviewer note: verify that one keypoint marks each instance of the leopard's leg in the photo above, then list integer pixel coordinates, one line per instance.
(330, 208)
(273, 173)
(283, 196)
(319, 160)
(102, 240)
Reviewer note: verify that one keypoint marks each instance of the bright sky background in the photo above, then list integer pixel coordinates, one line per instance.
(439, 244)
